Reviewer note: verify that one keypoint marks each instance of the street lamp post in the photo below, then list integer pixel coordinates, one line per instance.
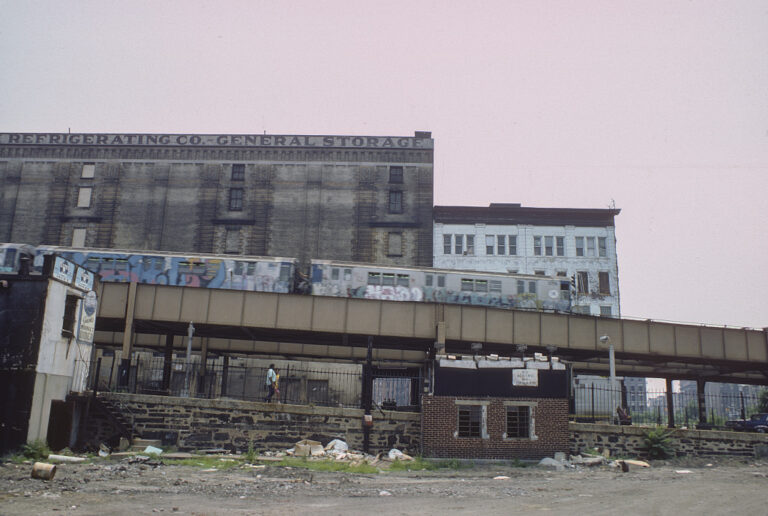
(605, 339)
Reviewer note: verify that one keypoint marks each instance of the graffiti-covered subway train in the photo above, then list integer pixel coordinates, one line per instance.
(326, 278)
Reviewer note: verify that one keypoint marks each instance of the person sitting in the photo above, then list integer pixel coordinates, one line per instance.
(625, 418)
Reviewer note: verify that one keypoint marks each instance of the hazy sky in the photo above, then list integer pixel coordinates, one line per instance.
(660, 107)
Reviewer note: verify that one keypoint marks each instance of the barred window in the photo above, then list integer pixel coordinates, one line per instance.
(518, 422)
(470, 421)
(235, 199)
(238, 172)
(395, 174)
(395, 201)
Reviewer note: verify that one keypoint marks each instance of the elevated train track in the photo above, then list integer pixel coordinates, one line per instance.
(299, 326)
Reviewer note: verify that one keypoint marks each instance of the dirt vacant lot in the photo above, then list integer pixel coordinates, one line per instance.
(123, 487)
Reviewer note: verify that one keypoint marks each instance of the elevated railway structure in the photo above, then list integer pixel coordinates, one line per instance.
(410, 333)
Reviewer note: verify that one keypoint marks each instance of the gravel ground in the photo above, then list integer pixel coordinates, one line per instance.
(126, 488)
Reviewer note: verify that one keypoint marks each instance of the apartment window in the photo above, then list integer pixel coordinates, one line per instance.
(347, 274)
(388, 279)
(88, 171)
(512, 245)
(471, 244)
(582, 282)
(467, 285)
(532, 287)
(428, 280)
(403, 280)
(560, 246)
(520, 421)
(520, 287)
(501, 244)
(238, 172)
(590, 246)
(494, 285)
(235, 199)
(549, 246)
(579, 246)
(602, 249)
(606, 311)
(562, 274)
(395, 244)
(441, 280)
(395, 201)
(374, 278)
(604, 283)
(84, 197)
(446, 244)
(78, 237)
(540, 273)
(537, 245)
(395, 174)
(489, 244)
(458, 241)
(472, 417)
(334, 274)
(481, 286)
(232, 241)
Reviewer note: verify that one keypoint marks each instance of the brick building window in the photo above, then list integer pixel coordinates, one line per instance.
(84, 197)
(604, 282)
(88, 171)
(78, 237)
(395, 174)
(395, 244)
(238, 172)
(235, 199)
(520, 420)
(472, 419)
(395, 201)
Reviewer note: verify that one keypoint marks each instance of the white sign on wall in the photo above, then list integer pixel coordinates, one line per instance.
(525, 377)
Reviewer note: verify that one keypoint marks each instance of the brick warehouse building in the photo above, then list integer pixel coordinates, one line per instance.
(356, 198)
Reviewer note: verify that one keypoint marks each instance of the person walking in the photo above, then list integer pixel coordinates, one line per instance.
(271, 383)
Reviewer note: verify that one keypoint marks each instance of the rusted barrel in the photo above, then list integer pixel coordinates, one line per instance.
(43, 471)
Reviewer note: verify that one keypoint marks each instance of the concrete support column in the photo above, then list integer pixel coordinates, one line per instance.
(167, 363)
(670, 404)
(123, 376)
(702, 400)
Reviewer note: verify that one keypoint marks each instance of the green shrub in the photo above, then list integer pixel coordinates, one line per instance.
(658, 443)
(250, 455)
(762, 404)
(36, 450)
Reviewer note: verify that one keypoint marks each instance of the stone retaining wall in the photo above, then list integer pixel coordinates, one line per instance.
(193, 424)
(628, 440)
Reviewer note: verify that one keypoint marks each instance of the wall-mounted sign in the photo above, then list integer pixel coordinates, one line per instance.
(84, 279)
(88, 318)
(63, 270)
(525, 377)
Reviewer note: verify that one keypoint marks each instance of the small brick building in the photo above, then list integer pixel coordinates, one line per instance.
(505, 409)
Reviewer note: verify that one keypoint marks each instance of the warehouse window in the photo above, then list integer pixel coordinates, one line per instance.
(235, 199)
(489, 244)
(232, 241)
(470, 244)
(88, 171)
(520, 420)
(395, 174)
(537, 245)
(395, 244)
(605, 311)
(458, 244)
(501, 244)
(472, 419)
(441, 280)
(602, 246)
(84, 197)
(590, 246)
(395, 201)
(238, 172)
(549, 245)
(560, 246)
(78, 237)
(446, 244)
(374, 278)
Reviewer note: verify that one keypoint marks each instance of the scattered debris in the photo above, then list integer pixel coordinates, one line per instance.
(501, 477)
(65, 458)
(384, 493)
(683, 471)
(549, 462)
(43, 471)
(307, 447)
(395, 454)
(640, 463)
(153, 450)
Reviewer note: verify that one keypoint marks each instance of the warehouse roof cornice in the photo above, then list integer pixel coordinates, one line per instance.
(514, 213)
